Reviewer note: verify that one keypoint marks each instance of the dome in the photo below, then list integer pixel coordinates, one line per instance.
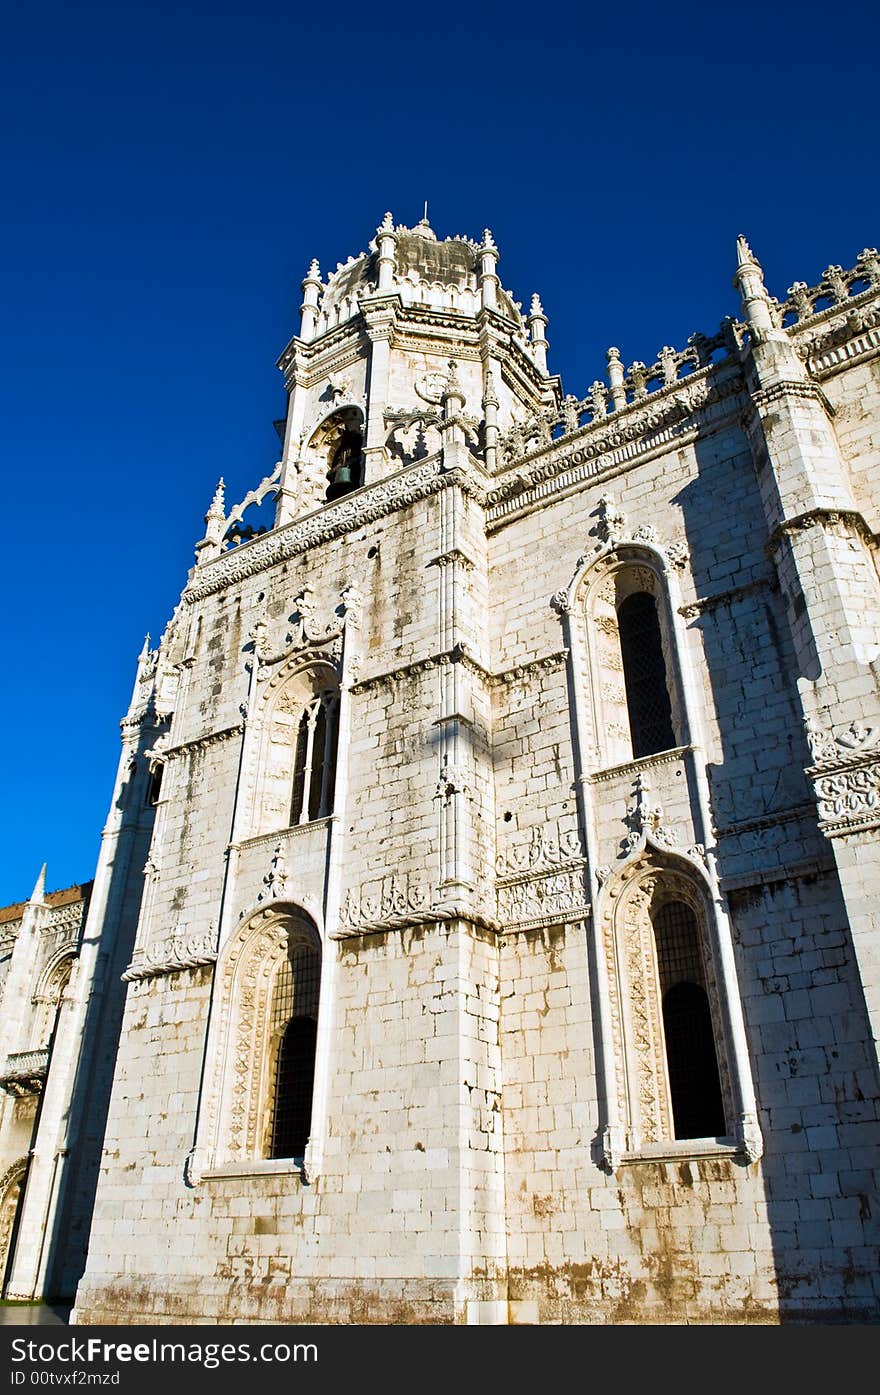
(439, 274)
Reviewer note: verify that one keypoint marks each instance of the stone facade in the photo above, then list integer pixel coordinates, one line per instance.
(413, 734)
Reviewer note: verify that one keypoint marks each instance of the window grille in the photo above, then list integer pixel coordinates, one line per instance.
(691, 1059)
(295, 1016)
(644, 675)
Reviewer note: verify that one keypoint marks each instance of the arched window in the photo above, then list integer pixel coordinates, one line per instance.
(314, 761)
(262, 1042)
(346, 465)
(644, 675)
(691, 1058)
(294, 1027)
(297, 759)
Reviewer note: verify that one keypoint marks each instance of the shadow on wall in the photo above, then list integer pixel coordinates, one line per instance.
(807, 1027)
(67, 1244)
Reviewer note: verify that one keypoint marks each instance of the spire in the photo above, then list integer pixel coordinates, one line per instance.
(386, 239)
(217, 503)
(145, 650)
(749, 280)
(209, 546)
(744, 254)
(488, 277)
(537, 322)
(38, 895)
(312, 287)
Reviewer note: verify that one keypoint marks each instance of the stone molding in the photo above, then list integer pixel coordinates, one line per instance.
(185, 950)
(395, 902)
(198, 743)
(703, 604)
(364, 506)
(632, 431)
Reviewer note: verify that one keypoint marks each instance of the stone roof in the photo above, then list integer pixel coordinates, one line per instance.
(55, 899)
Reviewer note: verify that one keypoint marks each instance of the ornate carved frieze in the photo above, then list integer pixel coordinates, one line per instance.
(398, 901)
(542, 880)
(187, 949)
(543, 897)
(329, 521)
(309, 634)
(848, 792)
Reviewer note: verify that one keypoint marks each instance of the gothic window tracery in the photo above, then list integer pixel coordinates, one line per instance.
(297, 763)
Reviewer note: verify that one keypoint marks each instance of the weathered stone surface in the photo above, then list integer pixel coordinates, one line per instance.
(493, 1126)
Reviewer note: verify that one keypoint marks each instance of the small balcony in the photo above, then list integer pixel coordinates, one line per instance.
(24, 1072)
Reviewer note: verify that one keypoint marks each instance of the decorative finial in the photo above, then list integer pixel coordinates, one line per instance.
(314, 269)
(488, 239)
(387, 224)
(537, 308)
(452, 386)
(217, 509)
(145, 651)
(425, 214)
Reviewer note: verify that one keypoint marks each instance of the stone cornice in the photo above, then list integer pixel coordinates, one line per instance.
(546, 662)
(364, 506)
(201, 743)
(852, 350)
(456, 655)
(823, 517)
(701, 604)
(791, 815)
(632, 767)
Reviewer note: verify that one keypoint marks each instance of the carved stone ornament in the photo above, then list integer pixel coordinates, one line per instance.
(275, 880)
(187, 949)
(309, 633)
(849, 798)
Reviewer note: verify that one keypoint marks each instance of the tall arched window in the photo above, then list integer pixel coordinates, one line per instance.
(297, 759)
(294, 1028)
(314, 761)
(691, 1058)
(644, 675)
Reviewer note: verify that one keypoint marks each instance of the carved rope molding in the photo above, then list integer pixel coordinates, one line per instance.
(168, 956)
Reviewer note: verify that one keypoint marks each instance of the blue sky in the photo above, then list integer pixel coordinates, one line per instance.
(170, 169)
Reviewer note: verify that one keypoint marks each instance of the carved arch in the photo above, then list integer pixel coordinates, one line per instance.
(306, 684)
(10, 1200)
(324, 439)
(51, 986)
(600, 587)
(651, 878)
(242, 1046)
